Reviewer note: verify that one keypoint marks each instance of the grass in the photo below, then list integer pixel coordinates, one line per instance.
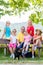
(7, 59)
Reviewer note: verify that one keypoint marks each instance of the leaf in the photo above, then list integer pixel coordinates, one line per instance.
(42, 23)
(34, 18)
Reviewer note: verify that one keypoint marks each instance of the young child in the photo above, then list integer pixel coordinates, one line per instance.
(7, 31)
(12, 45)
(37, 41)
(27, 40)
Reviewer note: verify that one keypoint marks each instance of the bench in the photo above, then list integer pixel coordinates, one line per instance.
(3, 44)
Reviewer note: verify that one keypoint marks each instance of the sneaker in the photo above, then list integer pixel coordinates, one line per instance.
(11, 56)
(33, 57)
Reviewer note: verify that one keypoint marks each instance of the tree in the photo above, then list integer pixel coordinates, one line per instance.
(12, 7)
(36, 17)
(4, 7)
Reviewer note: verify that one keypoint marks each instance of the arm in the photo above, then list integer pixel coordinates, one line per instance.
(10, 41)
(30, 32)
(37, 37)
(18, 38)
(17, 42)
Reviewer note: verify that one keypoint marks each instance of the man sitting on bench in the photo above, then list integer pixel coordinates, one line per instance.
(20, 37)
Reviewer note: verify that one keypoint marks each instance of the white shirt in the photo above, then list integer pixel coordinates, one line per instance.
(13, 39)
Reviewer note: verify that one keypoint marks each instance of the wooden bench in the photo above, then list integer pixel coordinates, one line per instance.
(3, 44)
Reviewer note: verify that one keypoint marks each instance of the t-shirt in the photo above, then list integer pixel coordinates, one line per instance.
(20, 37)
(27, 38)
(13, 39)
(7, 31)
(30, 30)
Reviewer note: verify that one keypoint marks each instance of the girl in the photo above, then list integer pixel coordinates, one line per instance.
(7, 31)
(12, 45)
(37, 41)
(27, 40)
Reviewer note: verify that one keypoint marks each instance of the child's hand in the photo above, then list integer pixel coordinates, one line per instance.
(18, 45)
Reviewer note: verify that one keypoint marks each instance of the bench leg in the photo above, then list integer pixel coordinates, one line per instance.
(39, 51)
(4, 51)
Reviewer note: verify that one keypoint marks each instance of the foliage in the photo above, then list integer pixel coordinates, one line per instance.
(36, 17)
(0, 30)
(12, 7)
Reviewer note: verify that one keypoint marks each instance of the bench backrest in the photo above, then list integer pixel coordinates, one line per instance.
(4, 41)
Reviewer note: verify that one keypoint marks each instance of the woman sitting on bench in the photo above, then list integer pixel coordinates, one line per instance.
(37, 41)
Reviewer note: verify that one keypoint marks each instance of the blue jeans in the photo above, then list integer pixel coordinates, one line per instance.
(21, 45)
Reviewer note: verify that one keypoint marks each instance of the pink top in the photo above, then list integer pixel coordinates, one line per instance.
(27, 38)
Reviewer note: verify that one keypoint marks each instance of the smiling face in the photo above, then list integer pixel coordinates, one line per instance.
(29, 23)
(14, 32)
(38, 32)
(23, 29)
(7, 23)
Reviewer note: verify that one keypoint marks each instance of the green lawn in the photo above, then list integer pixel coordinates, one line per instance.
(7, 59)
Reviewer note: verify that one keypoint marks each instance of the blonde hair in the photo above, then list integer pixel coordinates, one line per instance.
(7, 22)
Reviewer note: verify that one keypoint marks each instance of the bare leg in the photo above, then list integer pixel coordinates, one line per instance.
(33, 51)
(33, 48)
(11, 50)
(14, 50)
(38, 43)
(27, 46)
(24, 47)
